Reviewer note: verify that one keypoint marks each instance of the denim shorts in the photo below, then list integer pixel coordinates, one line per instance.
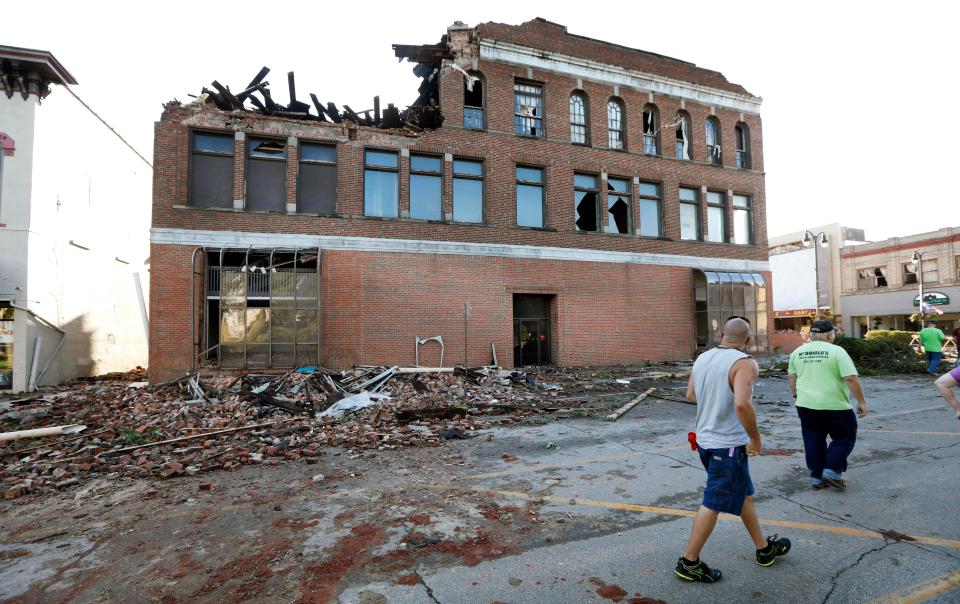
(728, 479)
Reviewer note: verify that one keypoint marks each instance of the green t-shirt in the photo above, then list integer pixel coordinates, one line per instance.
(820, 368)
(930, 339)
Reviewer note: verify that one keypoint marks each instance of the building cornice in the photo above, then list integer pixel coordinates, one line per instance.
(505, 52)
(240, 239)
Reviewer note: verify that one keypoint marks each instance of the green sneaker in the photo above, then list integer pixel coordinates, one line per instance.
(698, 571)
(775, 547)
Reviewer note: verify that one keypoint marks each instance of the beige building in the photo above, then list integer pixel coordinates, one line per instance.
(882, 281)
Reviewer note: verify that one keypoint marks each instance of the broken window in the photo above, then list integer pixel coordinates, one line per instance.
(317, 179)
(473, 103)
(649, 203)
(262, 308)
(528, 109)
(930, 272)
(713, 140)
(211, 170)
(683, 135)
(266, 175)
(529, 196)
(426, 186)
(716, 216)
(467, 190)
(743, 145)
(586, 200)
(742, 220)
(618, 205)
(871, 278)
(615, 128)
(578, 118)
(651, 130)
(689, 214)
(380, 184)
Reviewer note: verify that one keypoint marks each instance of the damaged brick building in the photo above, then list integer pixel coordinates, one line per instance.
(568, 200)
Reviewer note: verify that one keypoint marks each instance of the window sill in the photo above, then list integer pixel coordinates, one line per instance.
(531, 228)
(604, 233)
(246, 211)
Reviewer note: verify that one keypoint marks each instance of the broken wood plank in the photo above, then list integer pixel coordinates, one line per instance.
(425, 370)
(319, 106)
(352, 114)
(334, 113)
(192, 436)
(619, 412)
(254, 83)
(226, 94)
(376, 110)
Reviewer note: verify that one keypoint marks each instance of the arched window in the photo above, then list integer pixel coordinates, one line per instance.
(713, 140)
(651, 130)
(578, 118)
(473, 102)
(743, 146)
(683, 135)
(615, 125)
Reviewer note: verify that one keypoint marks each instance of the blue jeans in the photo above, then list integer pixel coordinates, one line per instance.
(933, 359)
(816, 425)
(728, 479)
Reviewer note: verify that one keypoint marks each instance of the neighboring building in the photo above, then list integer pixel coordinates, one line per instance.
(881, 282)
(74, 220)
(797, 262)
(582, 203)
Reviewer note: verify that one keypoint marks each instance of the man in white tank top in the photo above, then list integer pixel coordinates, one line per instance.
(721, 384)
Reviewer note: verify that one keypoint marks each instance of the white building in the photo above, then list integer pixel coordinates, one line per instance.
(74, 232)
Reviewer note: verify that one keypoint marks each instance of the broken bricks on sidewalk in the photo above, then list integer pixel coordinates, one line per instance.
(206, 422)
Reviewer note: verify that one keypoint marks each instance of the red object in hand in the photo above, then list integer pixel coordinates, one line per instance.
(692, 439)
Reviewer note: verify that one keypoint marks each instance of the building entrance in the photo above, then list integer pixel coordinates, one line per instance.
(531, 330)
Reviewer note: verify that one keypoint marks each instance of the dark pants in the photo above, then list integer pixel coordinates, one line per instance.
(933, 361)
(817, 425)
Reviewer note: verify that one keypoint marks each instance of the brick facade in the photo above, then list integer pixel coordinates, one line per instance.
(373, 303)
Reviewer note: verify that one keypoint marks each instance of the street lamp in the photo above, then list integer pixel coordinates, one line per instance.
(808, 240)
(917, 261)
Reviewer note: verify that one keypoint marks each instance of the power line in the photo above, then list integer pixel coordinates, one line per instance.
(109, 127)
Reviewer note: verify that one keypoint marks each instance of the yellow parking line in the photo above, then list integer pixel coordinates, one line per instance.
(632, 507)
(909, 432)
(923, 591)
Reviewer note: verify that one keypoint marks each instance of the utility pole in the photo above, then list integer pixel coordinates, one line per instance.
(808, 239)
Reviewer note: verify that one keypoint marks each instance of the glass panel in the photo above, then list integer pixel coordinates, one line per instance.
(715, 197)
(232, 326)
(425, 163)
(467, 167)
(713, 297)
(282, 325)
(711, 133)
(6, 364)
(211, 181)
(282, 355)
(715, 224)
(258, 325)
(380, 193)
(425, 194)
(758, 278)
(306, 290)
(726, 300)
(529, 206)
(231, 355)
(619, 185)
(586, 205)
(383, 159)
(324, 153)
(282, 283)
(618, 206)
(467, 200)
(233, 288)
(267, 185)
(724, 277)
(584, 181)
(306, 354)
(308, 328)
(649, 218)
(528, 109)
(689, 194)
(741, 227)
(213, 143)
(738, 300)
(650, 189)
(529, 174)
(262, 147)
(258, 355)
(741, 201)
(473, 118)
(317, 191)
(689, 217)
(712, 277)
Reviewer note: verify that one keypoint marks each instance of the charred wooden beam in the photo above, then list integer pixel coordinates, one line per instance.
(391, 117)
(367, 118)
(227, 95)
(351, 114)
(271, 105)
(376, 110)
(426, 53)
(256, 103)
(334, 113)
(319, 107)
(217, 99)
(253, 83)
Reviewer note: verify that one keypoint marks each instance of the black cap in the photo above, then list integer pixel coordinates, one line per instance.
(821, 326)
(931, 322)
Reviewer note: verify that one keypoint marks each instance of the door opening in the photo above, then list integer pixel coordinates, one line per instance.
(531, 330)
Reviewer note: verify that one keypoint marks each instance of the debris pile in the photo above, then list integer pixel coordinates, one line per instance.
(197, 424)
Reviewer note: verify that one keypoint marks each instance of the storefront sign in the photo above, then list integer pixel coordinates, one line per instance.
(937, 298)
(786, 314)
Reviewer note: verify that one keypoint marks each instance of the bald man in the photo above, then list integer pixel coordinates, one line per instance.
(721, 384)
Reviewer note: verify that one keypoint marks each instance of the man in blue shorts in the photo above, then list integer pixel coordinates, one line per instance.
(721, 384)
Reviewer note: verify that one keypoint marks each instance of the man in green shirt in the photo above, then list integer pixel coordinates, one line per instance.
(931, 338)
(822, 376)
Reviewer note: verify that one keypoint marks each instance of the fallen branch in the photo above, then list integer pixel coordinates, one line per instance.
(619, 412)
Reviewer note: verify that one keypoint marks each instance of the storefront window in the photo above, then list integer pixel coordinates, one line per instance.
(6, 348)
(720, 295)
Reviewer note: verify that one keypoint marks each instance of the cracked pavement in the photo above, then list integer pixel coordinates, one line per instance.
(599, 516)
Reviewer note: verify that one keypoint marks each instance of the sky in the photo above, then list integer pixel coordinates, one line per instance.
(858, 97)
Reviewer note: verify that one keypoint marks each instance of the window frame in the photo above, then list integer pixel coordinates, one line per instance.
(596, 190)
(431, 173)
(742, 141)
(541, 95)
(713, 150)
(542, 185)
(658, 200)
(191, 170)
(885, 275)
(654, 125)
(584, 99)
(620, 106)
(722, 206)
(630, 201)
(483, 100)
(454, 175)
(683, 122)
(696, 204)
(395, 170)
(316, 162)
(748, 209)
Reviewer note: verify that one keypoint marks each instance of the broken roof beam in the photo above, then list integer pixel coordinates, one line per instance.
(352, 114)
(254, 83)
(376, 110)
(295, 105)
(319, 107)
(334, 113)
(227, 95)
(425, 53)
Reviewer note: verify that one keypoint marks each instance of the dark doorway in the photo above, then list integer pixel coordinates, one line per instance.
(531, 330)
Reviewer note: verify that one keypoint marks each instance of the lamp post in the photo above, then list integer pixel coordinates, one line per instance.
(917, 261)
(808, 240)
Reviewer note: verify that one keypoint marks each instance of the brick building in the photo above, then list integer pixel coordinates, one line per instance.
(582, 203)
